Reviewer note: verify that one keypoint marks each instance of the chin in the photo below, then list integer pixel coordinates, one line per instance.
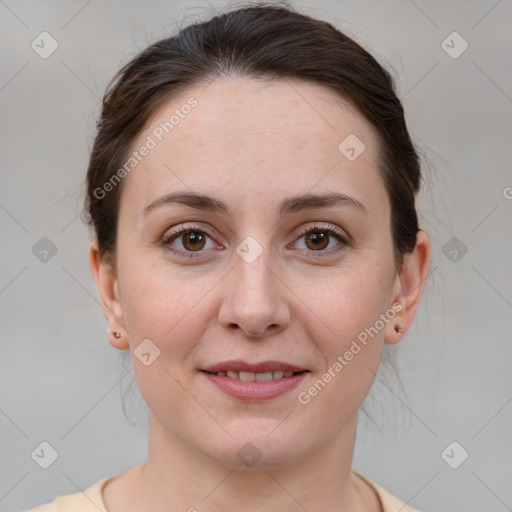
(257, 449)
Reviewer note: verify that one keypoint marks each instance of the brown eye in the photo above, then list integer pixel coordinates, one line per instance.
(188, 241)
(317, 240)
(193, 240)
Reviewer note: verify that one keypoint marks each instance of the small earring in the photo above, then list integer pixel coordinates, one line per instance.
(398, 329)
(117, 335)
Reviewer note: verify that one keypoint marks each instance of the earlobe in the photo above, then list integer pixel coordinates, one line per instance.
(409, 286)
(395, 328)
(108, 289)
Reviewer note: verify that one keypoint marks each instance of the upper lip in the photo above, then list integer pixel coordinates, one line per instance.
(243, 366)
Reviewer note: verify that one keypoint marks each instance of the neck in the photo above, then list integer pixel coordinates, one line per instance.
(177, 477)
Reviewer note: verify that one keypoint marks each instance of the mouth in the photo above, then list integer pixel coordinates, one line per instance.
(240, 366)
(255, 382)
(252, 376)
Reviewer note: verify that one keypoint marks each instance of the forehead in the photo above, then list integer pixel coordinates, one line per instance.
(255, 139)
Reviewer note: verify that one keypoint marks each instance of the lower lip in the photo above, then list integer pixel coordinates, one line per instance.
(255, 390)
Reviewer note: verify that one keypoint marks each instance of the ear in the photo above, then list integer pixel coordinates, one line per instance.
(409, 287)
(106, 281)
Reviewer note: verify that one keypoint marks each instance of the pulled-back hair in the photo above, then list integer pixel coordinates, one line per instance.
(263, 41)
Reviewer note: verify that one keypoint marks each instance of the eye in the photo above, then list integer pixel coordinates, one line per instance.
(317, 238)
(193, 239)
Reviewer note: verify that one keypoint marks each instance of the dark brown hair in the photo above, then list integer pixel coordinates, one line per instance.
(262, 41)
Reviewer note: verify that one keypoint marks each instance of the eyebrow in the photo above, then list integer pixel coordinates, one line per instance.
(290, 205)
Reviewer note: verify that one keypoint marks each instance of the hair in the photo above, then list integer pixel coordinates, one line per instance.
(256, 41)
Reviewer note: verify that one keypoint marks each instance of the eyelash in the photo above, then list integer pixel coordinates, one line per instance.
(338, 235)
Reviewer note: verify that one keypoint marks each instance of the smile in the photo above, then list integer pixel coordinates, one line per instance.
(255, 386)
(250, 376)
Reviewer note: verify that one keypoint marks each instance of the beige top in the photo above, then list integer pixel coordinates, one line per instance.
(91, 500)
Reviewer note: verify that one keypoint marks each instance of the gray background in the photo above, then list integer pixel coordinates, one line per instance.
(62, 382)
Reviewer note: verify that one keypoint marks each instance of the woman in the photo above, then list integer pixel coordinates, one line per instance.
(252, 193)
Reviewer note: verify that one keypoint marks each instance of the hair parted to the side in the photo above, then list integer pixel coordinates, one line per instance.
(258, 41)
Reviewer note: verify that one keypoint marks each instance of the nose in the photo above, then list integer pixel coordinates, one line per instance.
(254, 299)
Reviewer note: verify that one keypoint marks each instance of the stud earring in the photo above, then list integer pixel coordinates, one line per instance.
(117, 335)
(398, 329)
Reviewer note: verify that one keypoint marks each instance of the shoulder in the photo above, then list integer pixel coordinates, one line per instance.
(89, 500)
(390, 503)
(47, 507)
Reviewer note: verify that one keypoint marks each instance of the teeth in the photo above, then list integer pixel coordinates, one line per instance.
(250, 376)
(264, 377)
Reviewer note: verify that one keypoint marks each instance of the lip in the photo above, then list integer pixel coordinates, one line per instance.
(243, 366)
(255, 391)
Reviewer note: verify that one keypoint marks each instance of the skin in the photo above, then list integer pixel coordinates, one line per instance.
(252, 144)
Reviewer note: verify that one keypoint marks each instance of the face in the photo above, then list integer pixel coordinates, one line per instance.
(264, 277)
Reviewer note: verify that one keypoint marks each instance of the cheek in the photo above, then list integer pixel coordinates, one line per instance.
(345, 305)
(167, 306)
(170, 311)
(349, 333)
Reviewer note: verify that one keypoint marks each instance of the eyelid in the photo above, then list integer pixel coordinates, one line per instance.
(343, 237)
(183, 228)
(305, 229)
